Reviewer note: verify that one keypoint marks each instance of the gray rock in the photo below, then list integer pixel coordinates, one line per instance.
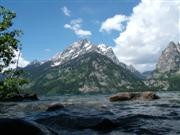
(170, 58)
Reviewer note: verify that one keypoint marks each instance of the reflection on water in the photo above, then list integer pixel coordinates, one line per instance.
(140, 117)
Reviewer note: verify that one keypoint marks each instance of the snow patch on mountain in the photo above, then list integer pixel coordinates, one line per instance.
(81, 47)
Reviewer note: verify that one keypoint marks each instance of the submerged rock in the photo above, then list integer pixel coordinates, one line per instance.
(78, 122)
(21, 127)
(55, 106)
(133, 96)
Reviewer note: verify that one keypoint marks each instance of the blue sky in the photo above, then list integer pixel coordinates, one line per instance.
(43, 23)
(137, 30)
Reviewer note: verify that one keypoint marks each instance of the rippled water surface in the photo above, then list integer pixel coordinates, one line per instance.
(158, 117)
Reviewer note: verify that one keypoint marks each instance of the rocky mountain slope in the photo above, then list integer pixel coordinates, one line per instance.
(82, 67)
(167, 73)
(170, 59)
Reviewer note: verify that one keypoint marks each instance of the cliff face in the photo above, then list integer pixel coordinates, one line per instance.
(170, 59)
(166, 76)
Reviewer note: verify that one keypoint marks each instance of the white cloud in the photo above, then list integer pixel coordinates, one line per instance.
(22, 61)
(75, 25)
(152, 25)
(66, 11)
(113, 23)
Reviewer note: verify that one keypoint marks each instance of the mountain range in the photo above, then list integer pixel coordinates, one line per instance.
(84, 67)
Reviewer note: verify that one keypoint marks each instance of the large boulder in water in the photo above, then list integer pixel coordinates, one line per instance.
(121, 97)
(149, 95)
(133, 96)
(55, 106)
(21, 127)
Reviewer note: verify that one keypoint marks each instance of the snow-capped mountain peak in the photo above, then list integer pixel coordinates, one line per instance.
(81, 47)
(76, 49)
(103, 47)
(80, 44)
(85, 46)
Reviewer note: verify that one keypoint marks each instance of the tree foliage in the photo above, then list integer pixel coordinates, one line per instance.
(12, 83)
(9, 42)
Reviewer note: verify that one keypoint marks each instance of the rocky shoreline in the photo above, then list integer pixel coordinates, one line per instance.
(19, 97)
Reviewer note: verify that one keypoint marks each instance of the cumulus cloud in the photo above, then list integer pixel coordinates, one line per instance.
(113, 23)
(66, 11)
(22, 61)
(75, 25)
(152, 25)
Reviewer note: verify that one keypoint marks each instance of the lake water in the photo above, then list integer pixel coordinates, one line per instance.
(95, 115)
